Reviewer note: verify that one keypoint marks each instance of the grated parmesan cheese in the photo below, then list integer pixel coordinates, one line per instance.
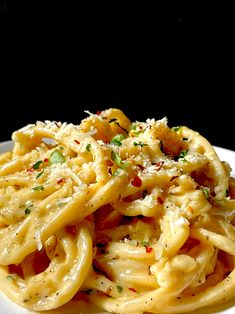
(38, 240)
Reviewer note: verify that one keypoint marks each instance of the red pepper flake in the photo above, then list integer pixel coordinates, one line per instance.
(98, 112)
(46, 160)
(109, 163)
(30, 170)
(137, 182)
(148, 249)
(76, 141)
(71, 229)
(160, 200)
(62, 180)
(132, 289)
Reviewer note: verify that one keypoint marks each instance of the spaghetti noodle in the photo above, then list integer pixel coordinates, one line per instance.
(133, 217)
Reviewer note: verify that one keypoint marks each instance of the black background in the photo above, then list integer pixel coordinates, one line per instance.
(176, 61)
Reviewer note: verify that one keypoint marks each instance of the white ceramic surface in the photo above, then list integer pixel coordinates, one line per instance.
(8, 307)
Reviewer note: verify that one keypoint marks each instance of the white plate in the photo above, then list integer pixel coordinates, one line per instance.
(8, 307)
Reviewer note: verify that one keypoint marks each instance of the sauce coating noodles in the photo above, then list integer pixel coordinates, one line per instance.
(133, 217)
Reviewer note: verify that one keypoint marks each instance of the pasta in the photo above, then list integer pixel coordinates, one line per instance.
(133, 217)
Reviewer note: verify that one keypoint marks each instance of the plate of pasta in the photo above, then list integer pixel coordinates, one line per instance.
(114, 216)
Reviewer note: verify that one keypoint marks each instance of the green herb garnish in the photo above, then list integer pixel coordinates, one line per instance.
(182, 155)
(144, 243)
(135, 129)
(88, 147)
(176, 128)
(141, 144)
(40, 173)
(38, 188)
(57, 157)
(118, 160)
(206, 191)
(119, 289)
(38, 164)
(133, 126)
(117, 139)
(27, 211)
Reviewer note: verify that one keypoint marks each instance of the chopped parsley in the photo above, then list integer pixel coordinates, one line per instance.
(176, 128)
(40, 173)
(206, 191)
(38, 188)
(57, 157)
(38, 164)
(182, 155)
(119, 289)
(133, 126)
(117, 140)
(27, 211)
(136, 129)
(141, 144)
(88, 147)
(118, 160)
(144, 243)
